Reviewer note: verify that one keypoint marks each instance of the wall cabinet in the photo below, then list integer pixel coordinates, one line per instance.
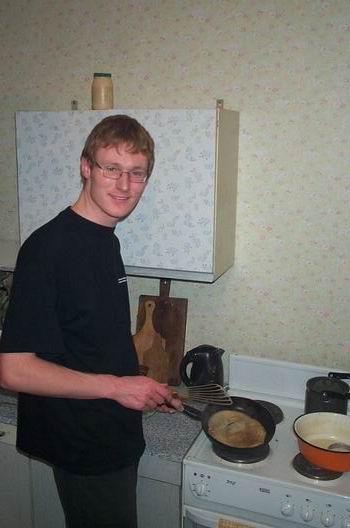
(184, 226)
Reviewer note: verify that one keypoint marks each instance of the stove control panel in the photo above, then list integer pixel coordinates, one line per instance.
(307, 507)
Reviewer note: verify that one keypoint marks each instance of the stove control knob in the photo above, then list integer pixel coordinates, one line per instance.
(328, 518)
(200, 489)
(307, 513)
(345, 522)
(287, 508)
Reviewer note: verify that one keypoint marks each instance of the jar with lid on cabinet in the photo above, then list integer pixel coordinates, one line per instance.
(102, 92)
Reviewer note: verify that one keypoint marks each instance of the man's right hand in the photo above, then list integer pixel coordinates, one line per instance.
(145, 394)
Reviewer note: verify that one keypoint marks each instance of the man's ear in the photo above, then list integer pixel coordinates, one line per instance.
(85, 169)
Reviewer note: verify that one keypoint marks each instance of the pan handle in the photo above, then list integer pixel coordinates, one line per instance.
(336, 395)
(192, 412)
(339, 375)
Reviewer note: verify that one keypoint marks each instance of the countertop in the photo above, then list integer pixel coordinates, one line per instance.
(168, 436)
(8, 408)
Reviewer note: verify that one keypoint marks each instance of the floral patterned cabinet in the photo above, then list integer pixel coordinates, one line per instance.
(184, 226)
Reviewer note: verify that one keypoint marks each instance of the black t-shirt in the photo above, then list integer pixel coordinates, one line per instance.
(70, 305)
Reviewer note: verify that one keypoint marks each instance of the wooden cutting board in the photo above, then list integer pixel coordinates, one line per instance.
(160, 334)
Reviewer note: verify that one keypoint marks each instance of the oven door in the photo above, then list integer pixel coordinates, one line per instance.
(195, 518)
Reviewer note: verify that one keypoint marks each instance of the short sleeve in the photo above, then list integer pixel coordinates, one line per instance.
(31, 324)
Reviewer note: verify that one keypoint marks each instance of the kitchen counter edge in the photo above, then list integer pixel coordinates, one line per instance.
(167, 436)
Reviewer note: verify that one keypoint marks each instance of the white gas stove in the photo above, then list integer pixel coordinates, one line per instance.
(269, 493)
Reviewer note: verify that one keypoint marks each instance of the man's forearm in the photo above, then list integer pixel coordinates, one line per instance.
(26, 372)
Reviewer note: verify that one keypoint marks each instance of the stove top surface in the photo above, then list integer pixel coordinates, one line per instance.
(283, 384)
(276, 468)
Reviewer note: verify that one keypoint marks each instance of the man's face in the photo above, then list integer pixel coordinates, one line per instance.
(107, 201)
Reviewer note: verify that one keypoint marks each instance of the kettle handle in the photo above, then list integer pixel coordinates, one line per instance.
(339, 375)
(186, 360)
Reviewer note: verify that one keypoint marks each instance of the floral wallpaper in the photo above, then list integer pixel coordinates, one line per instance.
(284, 65)
(172, 228)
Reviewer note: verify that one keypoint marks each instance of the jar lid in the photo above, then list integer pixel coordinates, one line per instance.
(102, 75)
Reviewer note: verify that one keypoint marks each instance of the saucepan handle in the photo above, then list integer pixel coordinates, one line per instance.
(339, 375)
(336, 395)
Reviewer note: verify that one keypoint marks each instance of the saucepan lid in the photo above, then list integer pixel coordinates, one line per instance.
(323, 384)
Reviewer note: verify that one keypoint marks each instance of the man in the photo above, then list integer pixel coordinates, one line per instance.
(66, 346)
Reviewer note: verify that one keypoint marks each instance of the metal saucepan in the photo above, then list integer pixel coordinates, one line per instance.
(248, 407)
(327, 394)
(323, 438)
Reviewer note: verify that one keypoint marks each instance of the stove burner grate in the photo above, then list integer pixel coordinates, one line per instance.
(247, 456)
(305, 468)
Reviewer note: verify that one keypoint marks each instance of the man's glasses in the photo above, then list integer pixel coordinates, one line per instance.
(113, 172)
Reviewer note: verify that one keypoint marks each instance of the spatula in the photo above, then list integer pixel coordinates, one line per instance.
(211, 393)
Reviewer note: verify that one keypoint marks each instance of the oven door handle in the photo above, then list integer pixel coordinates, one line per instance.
(207, 519)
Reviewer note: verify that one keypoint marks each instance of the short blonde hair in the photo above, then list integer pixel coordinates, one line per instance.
(117, 130)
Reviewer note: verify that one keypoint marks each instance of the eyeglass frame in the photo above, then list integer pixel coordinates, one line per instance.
(121, 171)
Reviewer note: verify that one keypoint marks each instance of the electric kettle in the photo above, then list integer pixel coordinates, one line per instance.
(205, 366)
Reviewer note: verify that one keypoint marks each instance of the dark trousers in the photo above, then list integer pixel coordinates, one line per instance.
(98, 501)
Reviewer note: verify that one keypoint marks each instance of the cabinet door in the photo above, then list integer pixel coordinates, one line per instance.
(15, 501)
(174, 231)
(47, 509)
(158, 504)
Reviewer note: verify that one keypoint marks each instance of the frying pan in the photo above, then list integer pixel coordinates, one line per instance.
(248, 407)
